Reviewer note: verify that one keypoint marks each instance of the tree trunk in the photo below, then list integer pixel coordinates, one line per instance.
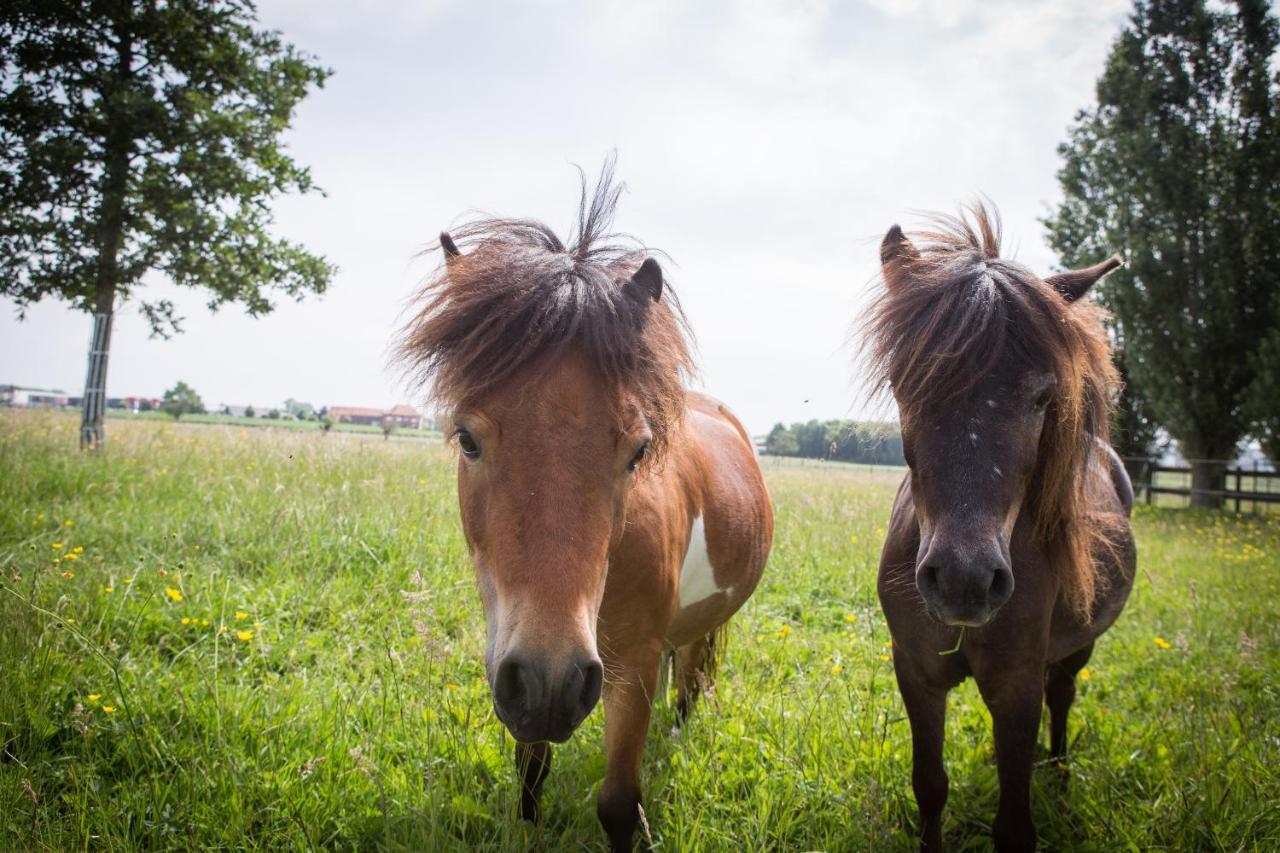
(1208, 478)
(93, 407)
(115, 184)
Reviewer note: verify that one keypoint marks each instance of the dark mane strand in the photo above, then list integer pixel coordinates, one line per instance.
(518, 298)
(949, 313)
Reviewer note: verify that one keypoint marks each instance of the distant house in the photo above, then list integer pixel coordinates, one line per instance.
(402, 416)
(34, 398)
(405, 417)
(356, 415)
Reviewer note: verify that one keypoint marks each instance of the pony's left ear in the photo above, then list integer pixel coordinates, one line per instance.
(1074, 284)
(647, 280)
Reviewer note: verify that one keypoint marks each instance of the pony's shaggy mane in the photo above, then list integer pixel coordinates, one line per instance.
(952, 310)
(517, 298)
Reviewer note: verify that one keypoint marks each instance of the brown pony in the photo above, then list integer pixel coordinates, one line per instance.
(612, 514)
(1009, 549)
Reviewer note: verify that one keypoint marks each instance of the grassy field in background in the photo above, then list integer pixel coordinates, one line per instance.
(215, 637)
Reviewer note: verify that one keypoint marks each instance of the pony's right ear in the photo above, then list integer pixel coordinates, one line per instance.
(450, 247)
(895, 248)
(647, 280)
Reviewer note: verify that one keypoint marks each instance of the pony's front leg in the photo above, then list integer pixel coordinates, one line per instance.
(628, 701)
(533, 763)
(926, 710)
(1015, 699)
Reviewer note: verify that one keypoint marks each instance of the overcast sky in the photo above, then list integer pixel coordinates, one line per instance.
(766, 147)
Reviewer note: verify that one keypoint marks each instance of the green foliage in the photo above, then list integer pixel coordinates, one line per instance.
(1264, 397)
(149, 132)
(300, 410)
(869, 442)
(1178, 166)
(249, 412)
(181, 400)
(355, 714)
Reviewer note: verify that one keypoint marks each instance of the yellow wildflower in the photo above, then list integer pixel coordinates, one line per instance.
(451, 686)
(108, 709)
(851, 617)
(1163, 643)
(186, 620)
(72, 556)
(244, 636)
(174, 594)
(783, 631)
(240, 614)
(57, 545)
(835, 670)
(94, 697)
(108, 589)
(853, 539)
(68, 574)
(68, 523)
(79, 549)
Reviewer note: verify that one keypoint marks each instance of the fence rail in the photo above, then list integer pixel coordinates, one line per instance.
(1150, 478)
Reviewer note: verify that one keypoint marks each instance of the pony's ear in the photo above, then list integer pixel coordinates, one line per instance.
(450, 247)
(647, 280)
(1076, 283)
(895, 250)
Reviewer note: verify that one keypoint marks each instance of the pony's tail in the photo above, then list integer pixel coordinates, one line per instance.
(717, 643)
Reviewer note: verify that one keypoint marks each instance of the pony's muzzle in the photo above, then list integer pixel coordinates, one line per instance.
(538, 701)
(964, 589)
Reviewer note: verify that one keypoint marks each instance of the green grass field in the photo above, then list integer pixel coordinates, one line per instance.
(216, 637)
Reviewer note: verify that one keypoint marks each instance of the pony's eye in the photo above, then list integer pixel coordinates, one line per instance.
(638, 458)
(470, 449)
(1043, 399)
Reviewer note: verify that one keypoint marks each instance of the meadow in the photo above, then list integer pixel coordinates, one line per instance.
(214, 637)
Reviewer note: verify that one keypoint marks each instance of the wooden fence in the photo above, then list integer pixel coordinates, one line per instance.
(1253, 486)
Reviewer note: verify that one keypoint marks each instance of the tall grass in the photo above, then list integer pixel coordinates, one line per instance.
(270, 639)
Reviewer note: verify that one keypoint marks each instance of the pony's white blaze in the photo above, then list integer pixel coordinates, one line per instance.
(697, 577)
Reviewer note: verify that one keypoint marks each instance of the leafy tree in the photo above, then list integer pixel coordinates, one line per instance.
(249, 412)
(781, 442)
(388, 427)
(299, 410)
(145, 405)
(181, 400)
(326, 424)
(1178, 165)
(138, 136)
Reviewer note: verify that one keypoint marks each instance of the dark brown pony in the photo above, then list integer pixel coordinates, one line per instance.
(612, 514)
(1009, 549)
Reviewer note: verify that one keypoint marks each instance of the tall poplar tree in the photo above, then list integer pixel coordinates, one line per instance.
(1178, 167)
(145, 135)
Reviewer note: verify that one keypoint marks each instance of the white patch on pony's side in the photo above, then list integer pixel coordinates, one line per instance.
(697, 577)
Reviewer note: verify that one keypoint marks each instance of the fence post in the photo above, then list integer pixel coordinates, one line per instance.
(1238, 485)
(1146, 479)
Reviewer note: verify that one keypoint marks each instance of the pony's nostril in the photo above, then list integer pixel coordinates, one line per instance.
(509, 686)
(592, 679)
(1001, 586)
(928, 580)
